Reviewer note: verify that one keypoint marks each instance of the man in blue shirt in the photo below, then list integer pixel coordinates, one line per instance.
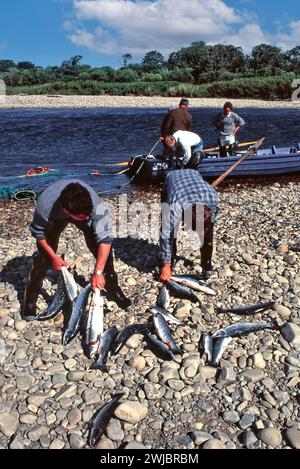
(227, 124)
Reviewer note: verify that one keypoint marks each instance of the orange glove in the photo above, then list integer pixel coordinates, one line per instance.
(166, 272)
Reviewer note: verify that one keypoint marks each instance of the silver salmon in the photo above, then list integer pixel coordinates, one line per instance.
(94, 323)
(102, 419)
(159, 348)
(168, 316)
(208, 345)
(247, 310)
(165, 334)
(179, 291)
(242, 328)
(70, 284)
(106, 342)
(219, 348)
(163, 299)
(59, 300)
(126, 333)
(194, 284)
(77, 311)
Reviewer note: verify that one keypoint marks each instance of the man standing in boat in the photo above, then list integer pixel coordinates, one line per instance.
(63, 202)
(186, 191)
(186, 149)
(177, 119)
(227, 124)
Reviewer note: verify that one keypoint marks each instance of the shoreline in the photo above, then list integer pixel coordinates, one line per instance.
(107, 101)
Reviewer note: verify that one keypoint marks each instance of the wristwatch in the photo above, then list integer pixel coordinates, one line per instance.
(98, 272)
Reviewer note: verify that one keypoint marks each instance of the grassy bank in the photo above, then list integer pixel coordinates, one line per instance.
(268, 88)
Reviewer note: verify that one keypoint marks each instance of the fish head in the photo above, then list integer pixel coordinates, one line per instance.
(94, 437)
(219, 334)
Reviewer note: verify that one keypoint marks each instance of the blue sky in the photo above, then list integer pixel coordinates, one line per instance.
(49, 31)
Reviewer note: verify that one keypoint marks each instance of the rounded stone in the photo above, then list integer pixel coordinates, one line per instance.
(131, 411)
(213, 444)
(270, 436)
(138, 362)
(293, 437)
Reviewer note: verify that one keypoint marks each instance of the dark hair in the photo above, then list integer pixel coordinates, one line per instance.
(76, 199)
(184, 102)
(228, 105)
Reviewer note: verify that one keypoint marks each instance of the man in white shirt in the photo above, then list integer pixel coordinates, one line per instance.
(187, 149)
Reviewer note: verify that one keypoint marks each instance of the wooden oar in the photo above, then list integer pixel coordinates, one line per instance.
(239, 145)
(252, 150)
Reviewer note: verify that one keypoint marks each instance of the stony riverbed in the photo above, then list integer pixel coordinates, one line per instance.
(48, 394)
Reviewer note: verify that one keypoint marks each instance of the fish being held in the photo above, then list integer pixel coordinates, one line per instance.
(126, 333)
(76, 315)
(70, 284)
(219, 348)
(243, 328)
(163, 312)
(179, 291)
(106, 342)
(191, 282)
(59, 300)
(102, 419)
(247, 310)
(94, 323)
(163, 299)
(165, 334)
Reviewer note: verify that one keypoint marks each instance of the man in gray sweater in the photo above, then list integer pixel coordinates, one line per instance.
(64, 202)
(227, 124)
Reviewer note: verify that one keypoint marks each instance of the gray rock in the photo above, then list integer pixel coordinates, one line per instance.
(131, 411)
(24, 382)
(8, 424)
(253, 376)
(76, 441)
(35, 433)
(270, 436)
(17, 442)
(213, 444)
(74, 417)
(176, 384)
(293, 437)
(249, 439)
(291, 333)
(134, 445)
(231, 416)
(114, 430)
(91, 397)
(200, 437)
(206, 407)
(246, 421)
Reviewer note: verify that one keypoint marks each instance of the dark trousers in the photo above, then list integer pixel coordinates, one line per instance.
(207, 248)
(41, 261)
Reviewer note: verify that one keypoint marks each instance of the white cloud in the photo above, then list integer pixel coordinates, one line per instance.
(289, 41)
(121, 26)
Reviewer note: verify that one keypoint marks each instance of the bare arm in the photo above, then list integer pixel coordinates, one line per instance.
(98, 281)
(57, 262)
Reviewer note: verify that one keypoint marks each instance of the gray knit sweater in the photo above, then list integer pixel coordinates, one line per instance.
(49, 210)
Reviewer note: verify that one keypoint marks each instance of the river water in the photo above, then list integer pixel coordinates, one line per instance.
(78, 142)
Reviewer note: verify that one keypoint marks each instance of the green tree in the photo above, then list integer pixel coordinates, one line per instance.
(195, 57)
(5, 65)
(226, 58)
(265, 55)
(293, 58)
(26, 65)
(126, 58)
(153, 61)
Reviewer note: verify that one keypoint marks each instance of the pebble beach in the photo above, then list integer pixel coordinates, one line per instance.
(48, 395)
(107, 101)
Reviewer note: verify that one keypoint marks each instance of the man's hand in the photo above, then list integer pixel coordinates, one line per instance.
(166, 272)
(161, 139)
(98, 281)
(58, 263)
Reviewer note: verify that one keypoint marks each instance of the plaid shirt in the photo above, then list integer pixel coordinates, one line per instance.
(182, 189)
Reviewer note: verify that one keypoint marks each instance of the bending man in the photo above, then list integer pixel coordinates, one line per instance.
(184, 191)
(64, 202)
(186, 149)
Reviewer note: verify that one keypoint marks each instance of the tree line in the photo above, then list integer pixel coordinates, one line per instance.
(196, 64)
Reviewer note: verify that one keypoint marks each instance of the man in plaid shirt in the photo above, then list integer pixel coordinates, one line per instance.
(186, 191)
